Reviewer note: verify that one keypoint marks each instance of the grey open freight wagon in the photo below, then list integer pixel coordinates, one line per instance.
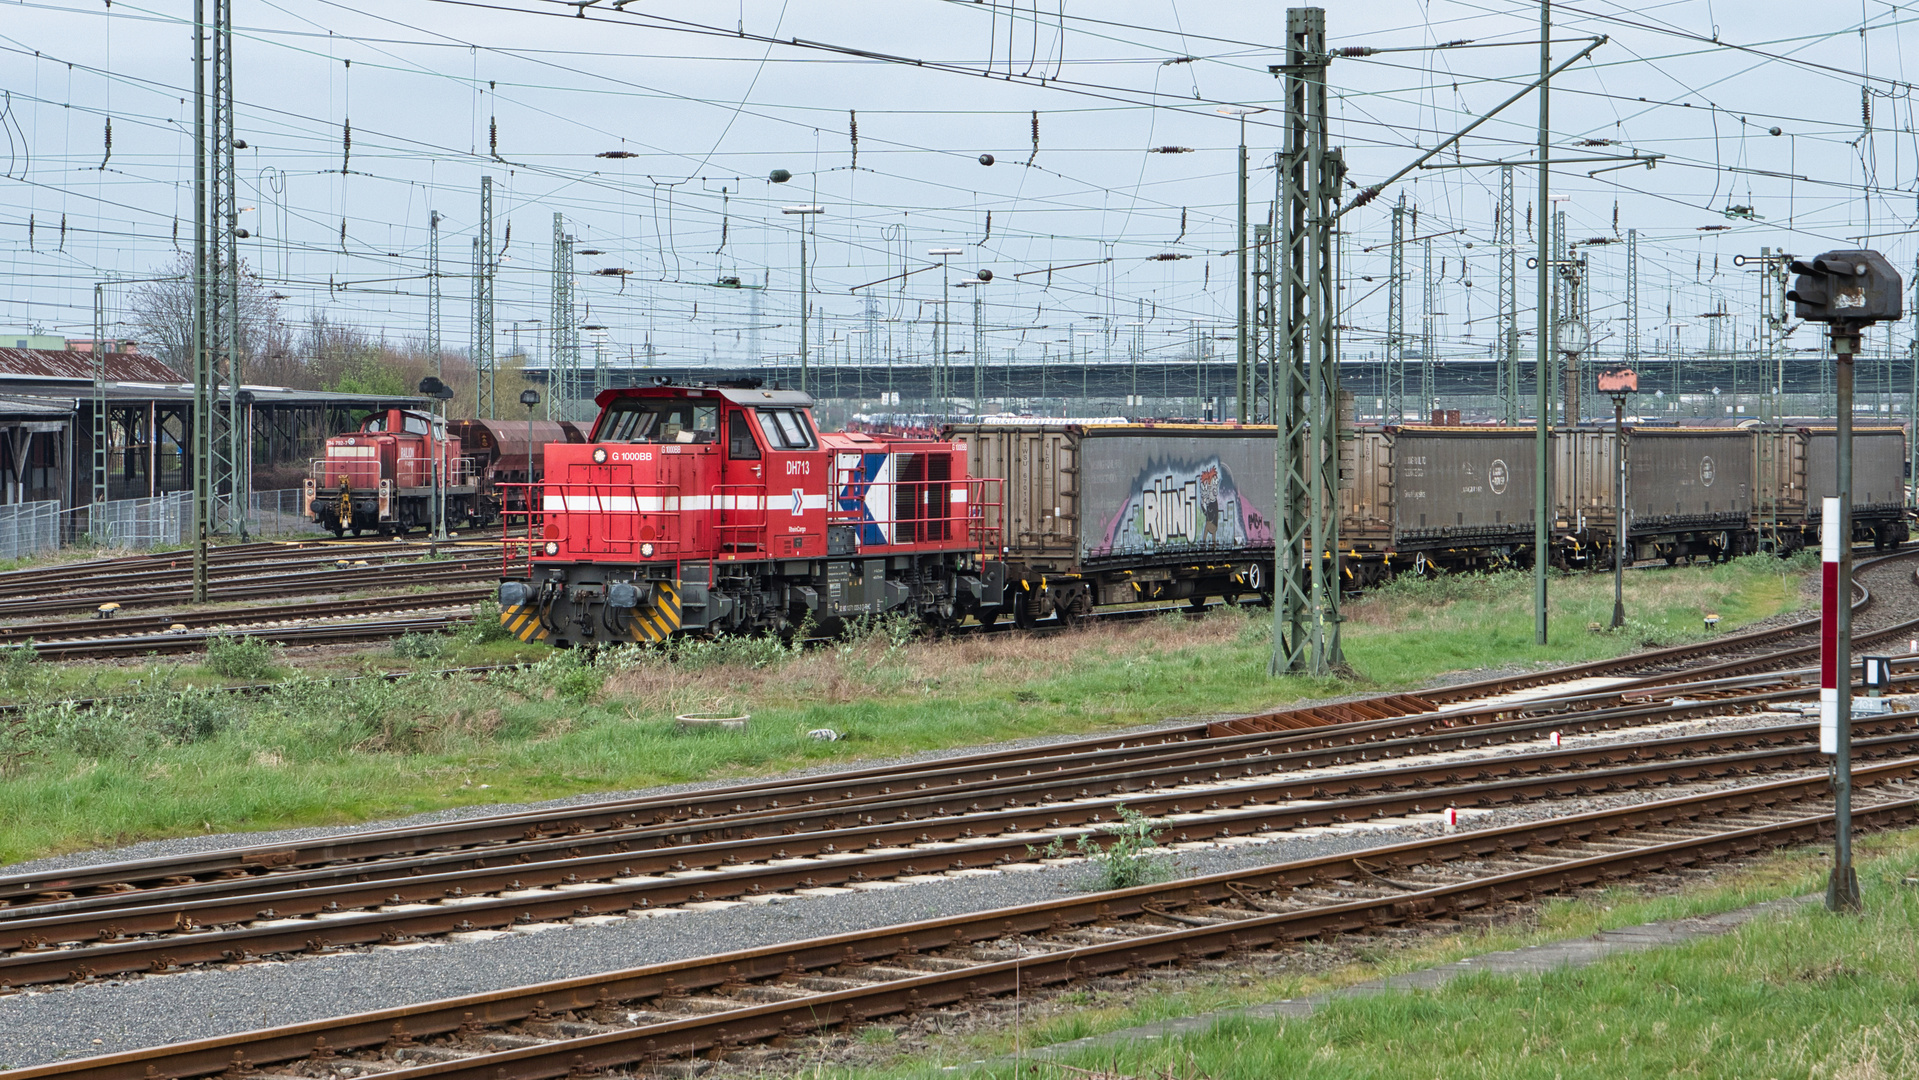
(1453, 498)
(1796, 468)
(1688, 494)
(1102, 514)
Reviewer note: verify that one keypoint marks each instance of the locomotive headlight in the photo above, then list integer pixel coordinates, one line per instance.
(646, 551)
(599, 455)
(552, 547)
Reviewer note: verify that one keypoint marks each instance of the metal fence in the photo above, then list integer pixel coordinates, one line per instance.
(279, 513)
(27, 528)
(131, 523)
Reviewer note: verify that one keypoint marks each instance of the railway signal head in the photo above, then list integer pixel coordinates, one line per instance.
(1849, 289)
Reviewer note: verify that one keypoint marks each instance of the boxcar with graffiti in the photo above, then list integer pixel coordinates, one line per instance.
(1099, 514)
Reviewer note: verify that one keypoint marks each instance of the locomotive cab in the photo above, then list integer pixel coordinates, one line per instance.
(723, 509)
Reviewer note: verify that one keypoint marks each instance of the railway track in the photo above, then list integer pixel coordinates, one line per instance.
(239, 573)
(1395, 726)
(797, 992)
(379, 887)
(239, 619)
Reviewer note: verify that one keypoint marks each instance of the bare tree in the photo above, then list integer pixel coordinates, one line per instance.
(163, 317)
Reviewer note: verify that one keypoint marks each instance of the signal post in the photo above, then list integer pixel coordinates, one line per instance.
(1849, 291)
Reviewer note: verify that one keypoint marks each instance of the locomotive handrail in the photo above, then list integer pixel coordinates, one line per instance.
(924, 527)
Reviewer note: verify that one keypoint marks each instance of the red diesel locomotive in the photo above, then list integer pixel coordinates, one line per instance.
(723, 509)
(380, 477)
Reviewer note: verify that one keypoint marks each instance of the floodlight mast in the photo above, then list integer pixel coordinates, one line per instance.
(781, 176)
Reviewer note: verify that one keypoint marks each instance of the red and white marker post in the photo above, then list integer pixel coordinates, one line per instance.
(1831, 599)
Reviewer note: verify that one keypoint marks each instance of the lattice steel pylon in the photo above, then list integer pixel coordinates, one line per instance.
(1428, 333)
(563, 360)
(1508, 246)
(1306, 377)
(1260, 348)
(433, 348)
(225, 448)
(100, 448)
(486, 405)
(1396, 317)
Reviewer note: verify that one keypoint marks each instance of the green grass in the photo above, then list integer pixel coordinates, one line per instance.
(1805, 995)
(173, 758)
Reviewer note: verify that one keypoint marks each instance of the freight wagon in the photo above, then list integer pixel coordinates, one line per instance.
(500, 453)
(1796, 468)
(1688, 494)
(1100, 514)
(1445, 498)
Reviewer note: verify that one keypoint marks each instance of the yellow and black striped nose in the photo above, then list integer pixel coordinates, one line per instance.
(660, 618)
(523, 622)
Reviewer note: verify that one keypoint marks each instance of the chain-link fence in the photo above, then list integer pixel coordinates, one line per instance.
(27, 528)
(280, 513)
(131, 523)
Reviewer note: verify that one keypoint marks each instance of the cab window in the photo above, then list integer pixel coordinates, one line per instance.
(786, 429)
(739, 438)
(660, 420)
(416, 425)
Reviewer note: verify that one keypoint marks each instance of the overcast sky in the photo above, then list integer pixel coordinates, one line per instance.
(710, 106)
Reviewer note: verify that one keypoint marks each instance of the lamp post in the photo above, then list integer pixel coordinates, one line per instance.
(1618, 384)
(806, 212)
(432, 387)
(529, 398)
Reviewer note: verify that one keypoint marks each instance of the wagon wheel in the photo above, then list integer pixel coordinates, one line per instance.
(1023, 610)
(1196, 602)
(1073, 613)
(987, 616)
(339, 530)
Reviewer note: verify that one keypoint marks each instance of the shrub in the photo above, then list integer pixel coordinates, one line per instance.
(18, 667)
(727, 650)
(235, 656)
(567, 673)
(1133, 858)
(411, 646)
(486, 624)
